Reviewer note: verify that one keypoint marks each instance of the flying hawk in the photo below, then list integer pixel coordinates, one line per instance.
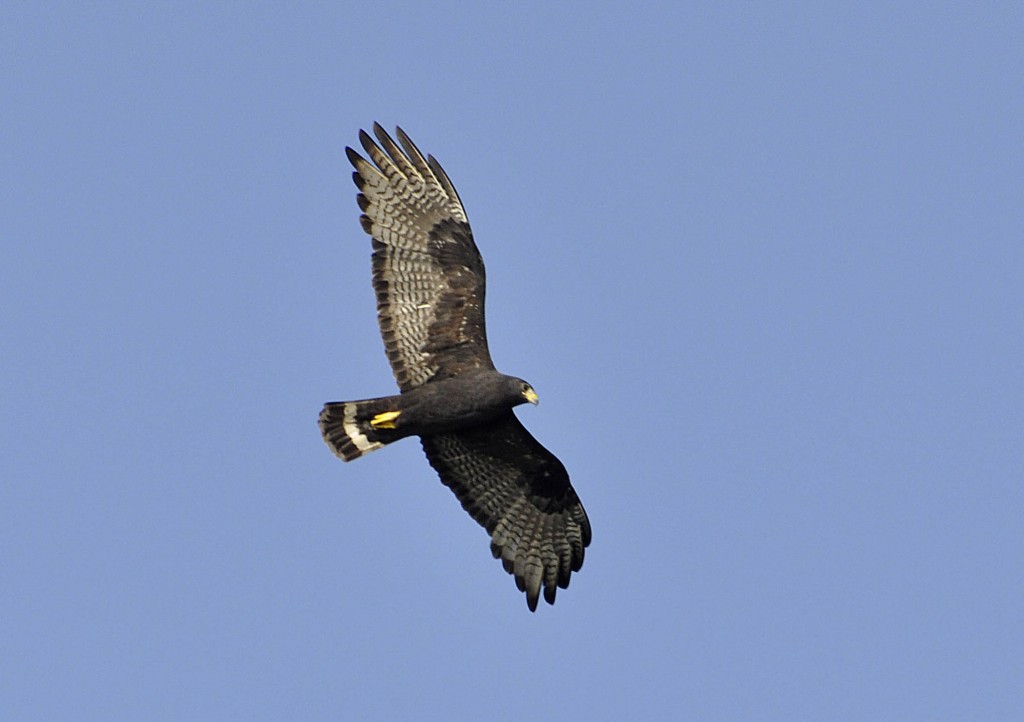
(429, 279)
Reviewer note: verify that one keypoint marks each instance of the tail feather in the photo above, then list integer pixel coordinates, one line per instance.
(347, 430)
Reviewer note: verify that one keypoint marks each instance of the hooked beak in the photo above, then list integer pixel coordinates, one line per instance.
(531, 396)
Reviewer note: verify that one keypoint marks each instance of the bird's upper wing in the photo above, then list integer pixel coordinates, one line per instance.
(427, 271)
(520, 493)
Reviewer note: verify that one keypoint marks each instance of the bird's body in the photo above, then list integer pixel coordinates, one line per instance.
(453, 404)
(429, 280)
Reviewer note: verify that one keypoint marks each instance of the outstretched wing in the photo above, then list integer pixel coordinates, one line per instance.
(520, 493)
(427, 271)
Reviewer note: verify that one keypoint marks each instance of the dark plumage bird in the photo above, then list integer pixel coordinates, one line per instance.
(429, 279)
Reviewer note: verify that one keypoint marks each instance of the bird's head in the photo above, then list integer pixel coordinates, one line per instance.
(520, 392)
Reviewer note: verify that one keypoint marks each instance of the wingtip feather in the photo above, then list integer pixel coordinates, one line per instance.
(366, 141)
(549, 593)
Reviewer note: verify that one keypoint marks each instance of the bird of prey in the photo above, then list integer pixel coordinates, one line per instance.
(429, 280)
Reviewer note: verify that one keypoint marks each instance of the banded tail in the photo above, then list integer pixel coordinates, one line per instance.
(354, 428)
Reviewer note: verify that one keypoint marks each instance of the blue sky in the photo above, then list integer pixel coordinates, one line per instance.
(763, 266)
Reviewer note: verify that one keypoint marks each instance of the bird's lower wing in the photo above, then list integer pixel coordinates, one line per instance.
(520, 493)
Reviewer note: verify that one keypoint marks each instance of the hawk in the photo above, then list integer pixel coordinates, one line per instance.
(429, 280)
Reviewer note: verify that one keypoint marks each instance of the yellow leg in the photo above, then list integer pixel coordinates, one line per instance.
(385, 420)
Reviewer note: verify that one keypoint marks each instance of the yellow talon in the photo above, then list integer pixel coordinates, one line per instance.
(385, 420)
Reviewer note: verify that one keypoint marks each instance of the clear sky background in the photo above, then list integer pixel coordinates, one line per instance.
(765, 268)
